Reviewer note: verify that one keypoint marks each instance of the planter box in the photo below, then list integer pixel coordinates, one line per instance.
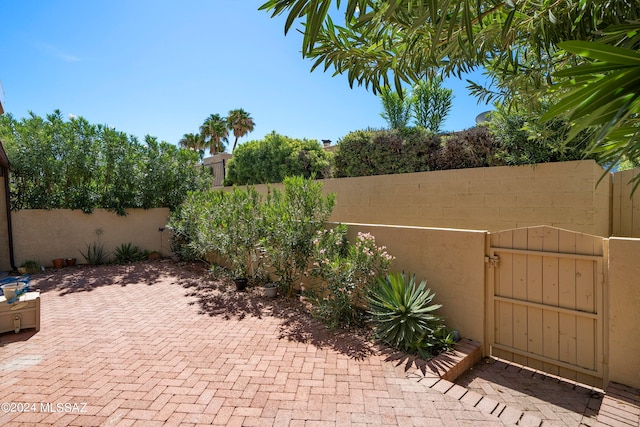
(22, 314)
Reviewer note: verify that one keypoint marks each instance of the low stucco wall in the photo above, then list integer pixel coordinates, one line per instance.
(43, 235)
(624, 311)
(452, 262)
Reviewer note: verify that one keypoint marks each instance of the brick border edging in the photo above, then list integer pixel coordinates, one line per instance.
(443, 369)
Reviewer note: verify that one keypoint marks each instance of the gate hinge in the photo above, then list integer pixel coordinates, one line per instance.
(492, 261)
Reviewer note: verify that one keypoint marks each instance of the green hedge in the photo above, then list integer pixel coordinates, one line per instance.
(276, 157)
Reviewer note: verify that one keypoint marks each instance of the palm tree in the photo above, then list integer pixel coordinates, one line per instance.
(214, 133)
(193, 141)
(241, 123)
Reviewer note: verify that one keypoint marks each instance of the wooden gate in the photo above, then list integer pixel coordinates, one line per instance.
(545, 301)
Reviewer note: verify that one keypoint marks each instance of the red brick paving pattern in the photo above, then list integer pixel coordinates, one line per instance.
(544, 399)
(154, 344)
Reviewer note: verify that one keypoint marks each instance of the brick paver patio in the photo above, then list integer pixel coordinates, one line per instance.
(156, 344)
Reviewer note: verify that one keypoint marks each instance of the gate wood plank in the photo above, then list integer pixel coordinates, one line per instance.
(534, 294)
(586, 276)
(567, 346)
(550, 296)
(520, 317)
(504, 287)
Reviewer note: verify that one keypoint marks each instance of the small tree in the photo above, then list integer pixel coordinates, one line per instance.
(396, 108)
(431, 103)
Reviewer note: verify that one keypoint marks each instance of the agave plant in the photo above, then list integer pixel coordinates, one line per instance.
(403, 315)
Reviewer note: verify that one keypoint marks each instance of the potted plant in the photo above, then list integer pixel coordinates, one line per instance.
(70, 262)
(29, 267)
(271, 290)
(58, 263)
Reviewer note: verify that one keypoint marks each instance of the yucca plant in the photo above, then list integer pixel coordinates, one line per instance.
(95, 254)
(127, 253)
(403, 315)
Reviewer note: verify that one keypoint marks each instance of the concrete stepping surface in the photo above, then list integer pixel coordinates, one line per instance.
(157, 344)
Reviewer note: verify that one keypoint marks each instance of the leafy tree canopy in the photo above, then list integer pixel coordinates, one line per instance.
(276, 157)
(57, 164)
(589, 46)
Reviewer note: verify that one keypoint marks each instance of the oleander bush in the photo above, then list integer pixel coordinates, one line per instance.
(346, 271)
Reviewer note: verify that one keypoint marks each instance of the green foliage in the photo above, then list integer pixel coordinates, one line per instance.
(240, 123)
(379, 152)
(77, 165)
(30, 266)
(396, 109)
(524, 139)
(292, 220)
(274, 158)
(243, 229)
(346, 271)
(95, 254)
(404, 317)
(237, 229)
(470, 148)
(126, 253)
(431, 103)
(193, 225)
(592, 46)
(603, 95)
(214, 133)
(378, 43)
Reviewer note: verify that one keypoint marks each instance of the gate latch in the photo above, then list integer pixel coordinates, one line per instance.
(492, 261)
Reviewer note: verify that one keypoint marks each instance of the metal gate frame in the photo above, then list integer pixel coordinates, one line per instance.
(595, 375)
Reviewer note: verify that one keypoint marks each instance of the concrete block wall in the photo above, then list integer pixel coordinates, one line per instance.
(563, 195)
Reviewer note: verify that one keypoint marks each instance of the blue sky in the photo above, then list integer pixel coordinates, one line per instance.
(161, 67)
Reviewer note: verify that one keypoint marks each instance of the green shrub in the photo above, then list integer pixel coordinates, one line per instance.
(126, 253)
(292, 220)
(193, 225)
(95, 254)
(379, 152)
(275, 157)
(346, 271)
(240, 225)
(404, 318)
(524, 139)
(238, 229)
(470, 148)
(57, 164)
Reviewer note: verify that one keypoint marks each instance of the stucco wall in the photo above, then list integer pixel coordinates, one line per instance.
(625, 207)
(563, 195)
(43, 235)
(5, 264)
(624, 311)
(452, 262)
(557, 194)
